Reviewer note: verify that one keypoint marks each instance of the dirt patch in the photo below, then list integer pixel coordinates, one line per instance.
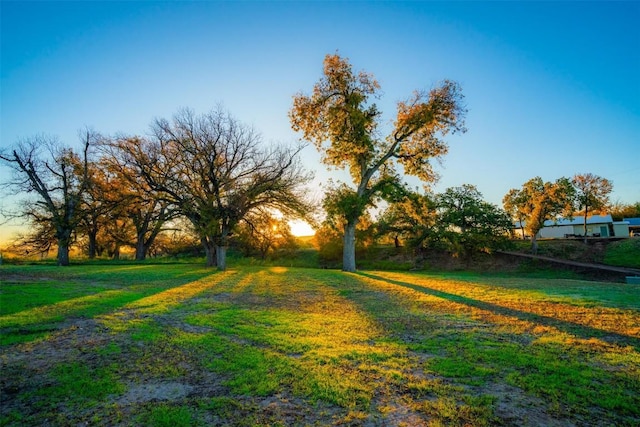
(68, 341)
(516, 408)
(140, 393)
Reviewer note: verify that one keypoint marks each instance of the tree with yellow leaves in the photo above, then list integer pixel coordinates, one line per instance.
(538, 201)
(340, 120)
(592, 191)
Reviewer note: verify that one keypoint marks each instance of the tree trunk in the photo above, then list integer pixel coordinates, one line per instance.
(64, 239)
(92, 244)
(63, 252)
(209, 250)
(141, 249)
(534, 244)
(349, 247)
(221, 256)
(586, 210)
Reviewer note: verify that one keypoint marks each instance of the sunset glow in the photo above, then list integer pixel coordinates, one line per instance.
(301, 228)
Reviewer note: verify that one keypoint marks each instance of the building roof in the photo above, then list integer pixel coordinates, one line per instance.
(579, 220)
(576, 220)
(632, 221)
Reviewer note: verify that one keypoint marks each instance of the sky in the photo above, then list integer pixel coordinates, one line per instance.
(552, 88)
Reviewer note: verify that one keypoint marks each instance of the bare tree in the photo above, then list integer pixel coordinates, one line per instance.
(58, 176)
(97, 205)
(40, 237)
(216, 171)
(133, 202)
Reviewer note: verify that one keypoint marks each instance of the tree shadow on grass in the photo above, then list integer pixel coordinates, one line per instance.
(582, 331)
(43, 320)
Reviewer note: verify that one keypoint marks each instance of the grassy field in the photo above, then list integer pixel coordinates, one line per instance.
(180, 345)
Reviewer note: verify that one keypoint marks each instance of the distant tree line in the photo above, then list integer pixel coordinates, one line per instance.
(538, 201)
(208, 170)
(209, 181)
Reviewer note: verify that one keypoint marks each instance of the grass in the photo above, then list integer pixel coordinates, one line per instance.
(180, 345)
(625, 253)
(622, 253)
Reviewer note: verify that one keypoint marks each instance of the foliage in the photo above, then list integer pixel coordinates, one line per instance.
(411, 219)
(98, 205)
(619, 211)
(342, 123)
(178, 240)
(538, 201)
(469, 224)
(141, 210)
(263, 234)
(458, 221)
(514, 203)
(591, 191)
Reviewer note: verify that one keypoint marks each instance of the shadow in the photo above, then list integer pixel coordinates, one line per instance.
(160, 293)
(582, 331)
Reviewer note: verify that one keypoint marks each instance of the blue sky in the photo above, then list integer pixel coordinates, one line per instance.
(552, 88)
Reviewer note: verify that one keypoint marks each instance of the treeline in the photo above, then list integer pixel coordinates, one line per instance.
(208, 171)
(209, 180)
(459, 222)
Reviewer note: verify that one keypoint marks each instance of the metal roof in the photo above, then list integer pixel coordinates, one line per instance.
(632, 221)
(579, 220)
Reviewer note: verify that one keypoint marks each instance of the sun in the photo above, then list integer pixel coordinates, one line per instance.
(301, 228)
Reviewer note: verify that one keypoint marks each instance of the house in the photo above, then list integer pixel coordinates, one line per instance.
(634, 226)
(597, 226)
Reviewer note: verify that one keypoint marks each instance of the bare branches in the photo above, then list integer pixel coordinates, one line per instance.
(216, 171)
(58, 176)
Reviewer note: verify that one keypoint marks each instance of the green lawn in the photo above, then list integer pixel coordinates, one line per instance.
(172, 345)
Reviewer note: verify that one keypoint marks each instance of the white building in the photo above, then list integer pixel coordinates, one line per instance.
(597, 226)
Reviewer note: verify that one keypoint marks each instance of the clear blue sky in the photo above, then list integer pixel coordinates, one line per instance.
(552, 88)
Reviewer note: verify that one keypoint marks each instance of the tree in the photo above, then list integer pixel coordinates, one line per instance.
(514, 203)
(135, 203)
(38, 240)
(412, 219)
(264, 233)
(592, 192)
(539, 201)
(619, 211)
(98, 203)
(468, 223)
(216, 171)
(177, 239)
(58, 176)
(343, 125)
